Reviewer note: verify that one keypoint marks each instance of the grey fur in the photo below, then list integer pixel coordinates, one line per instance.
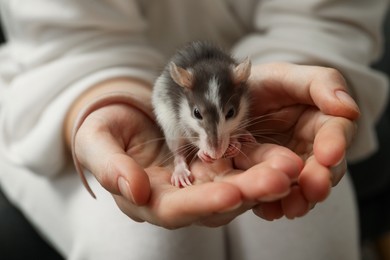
(206, 62)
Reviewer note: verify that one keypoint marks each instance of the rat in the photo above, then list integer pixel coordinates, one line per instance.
(201, 100)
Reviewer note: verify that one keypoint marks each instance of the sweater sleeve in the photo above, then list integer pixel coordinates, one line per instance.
(55, 51)
(342, 34)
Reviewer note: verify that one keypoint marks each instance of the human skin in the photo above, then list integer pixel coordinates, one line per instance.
(312, 121)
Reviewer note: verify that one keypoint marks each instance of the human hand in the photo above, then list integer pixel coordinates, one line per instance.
(268, 170)
(118, 142)
(308, 110)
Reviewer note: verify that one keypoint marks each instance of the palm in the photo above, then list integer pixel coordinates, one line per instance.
(218, 187)
(291, 169)
(119, 141)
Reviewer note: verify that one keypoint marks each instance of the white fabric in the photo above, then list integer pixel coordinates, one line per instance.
(58, 49)
(83, 228)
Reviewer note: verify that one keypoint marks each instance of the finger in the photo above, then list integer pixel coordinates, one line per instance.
(324, 87)
(338, 172)
(333, 138)
(216, 221)
(182, 207)
(120, 201)
(315, 181)
(224, 218)
(276, 156)
(269, 210)
(265, 181)
(117, 172)
(294, 204)
(328, 165)
(261, 183)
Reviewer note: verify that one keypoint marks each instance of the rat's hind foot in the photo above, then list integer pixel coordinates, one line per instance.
(181, 176)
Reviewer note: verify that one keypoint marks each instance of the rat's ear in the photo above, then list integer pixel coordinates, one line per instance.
(181, 76)
(242, 71)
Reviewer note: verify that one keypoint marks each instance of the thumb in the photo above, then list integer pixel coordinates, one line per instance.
(328, 91)
(292, 84)
(116, 171)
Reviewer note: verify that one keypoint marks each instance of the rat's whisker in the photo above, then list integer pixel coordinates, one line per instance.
(194, 155)
(224, 105)
(181, 150)
(267, 134)
(266, 117)
(148, 142)
(269, 138)
(241, 152)
(252, 122)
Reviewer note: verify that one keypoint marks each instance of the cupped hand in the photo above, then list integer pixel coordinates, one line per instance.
(303, 117)
(125, 151)
(306, 109)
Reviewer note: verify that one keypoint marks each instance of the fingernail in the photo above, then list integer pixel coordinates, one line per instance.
(338, 172)
(340, 161)
(124, 188)
(346, 99)
(259, 211)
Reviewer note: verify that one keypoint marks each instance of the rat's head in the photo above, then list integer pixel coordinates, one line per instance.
(215, 106)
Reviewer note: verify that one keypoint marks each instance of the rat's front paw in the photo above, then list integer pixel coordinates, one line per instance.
(181, 176)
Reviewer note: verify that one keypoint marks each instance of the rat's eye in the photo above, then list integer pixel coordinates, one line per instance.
(230, 113)
(197, 114)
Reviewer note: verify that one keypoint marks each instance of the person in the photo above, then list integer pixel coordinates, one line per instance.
(76, 77)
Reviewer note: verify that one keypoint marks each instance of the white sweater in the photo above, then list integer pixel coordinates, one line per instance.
(59, 48)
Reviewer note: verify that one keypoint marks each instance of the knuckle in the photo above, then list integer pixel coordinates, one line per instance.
(106, 176)
(334, 75)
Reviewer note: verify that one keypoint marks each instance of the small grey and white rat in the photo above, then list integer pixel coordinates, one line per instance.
(202, 99)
